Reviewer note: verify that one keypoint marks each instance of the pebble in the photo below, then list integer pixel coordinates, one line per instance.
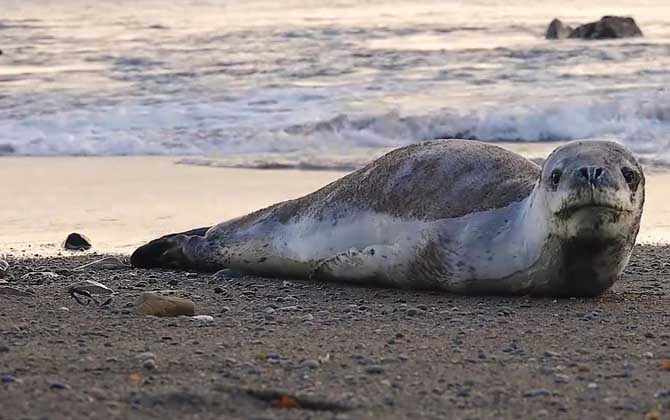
(228, 273)
(64, 309)
(109, 263)
(77, 242)
(58, 385)
(151, 303)
(374, 369)
(91, 286)
(4, 269)
(218, 290)
(541, 392)
(311, 363)
(412, 311)
(592, 385)
(7, 379)
(149, 364)
(203, 318)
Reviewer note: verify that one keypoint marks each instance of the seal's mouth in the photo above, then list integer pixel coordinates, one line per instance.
(570, 210)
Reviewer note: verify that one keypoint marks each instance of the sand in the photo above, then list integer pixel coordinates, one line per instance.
(338, 352)
(121, 202)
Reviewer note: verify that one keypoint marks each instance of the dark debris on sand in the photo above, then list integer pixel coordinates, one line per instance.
(305, 350)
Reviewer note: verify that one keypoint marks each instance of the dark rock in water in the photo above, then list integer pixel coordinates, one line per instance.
(77, 242)
(557, 30)
(609, 27)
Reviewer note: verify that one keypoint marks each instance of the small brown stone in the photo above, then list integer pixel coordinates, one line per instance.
(152, 303)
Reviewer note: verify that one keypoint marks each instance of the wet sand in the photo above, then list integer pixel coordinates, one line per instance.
(338, 352)
(122, 202)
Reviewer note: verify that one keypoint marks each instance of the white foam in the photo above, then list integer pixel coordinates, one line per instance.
(640, 121)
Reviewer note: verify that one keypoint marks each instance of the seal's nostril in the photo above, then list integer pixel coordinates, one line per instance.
(584, 172)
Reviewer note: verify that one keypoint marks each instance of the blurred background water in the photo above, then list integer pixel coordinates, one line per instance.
(310, 85)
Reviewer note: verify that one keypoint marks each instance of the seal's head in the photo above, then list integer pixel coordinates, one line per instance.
(593, 190)
(591, 195)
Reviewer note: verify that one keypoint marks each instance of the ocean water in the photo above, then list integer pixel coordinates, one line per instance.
(312, 84)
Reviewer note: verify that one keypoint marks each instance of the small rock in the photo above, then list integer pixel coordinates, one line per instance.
(653, 415)
(13, 291)
(149, 364)
(374, 369)
(412, 311)
(311, 364)
(109, 263)
(536, 393)
(592, 385)
(228, 273)
(8, 379)
(173, 282)
(203, 318)
(151, 303)
(145, 356)
(608, 27)
(218, 290)
(77, 242)
(4, 269)
(97, 393)
(557, 30)
(64, 309)
(39, 276)
(59, 386)
(91, 286)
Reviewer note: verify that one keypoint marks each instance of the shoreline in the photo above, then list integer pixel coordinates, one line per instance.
(122, 202)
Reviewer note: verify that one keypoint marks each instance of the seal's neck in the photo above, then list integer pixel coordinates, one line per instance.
(502, 242)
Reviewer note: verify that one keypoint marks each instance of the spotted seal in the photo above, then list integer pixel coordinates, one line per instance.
(460, 216)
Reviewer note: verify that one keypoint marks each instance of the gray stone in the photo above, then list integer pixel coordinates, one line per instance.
(609, 27)
(537, 393)
(557, 30)
(311, 363)
(109, 263)
(374, 369)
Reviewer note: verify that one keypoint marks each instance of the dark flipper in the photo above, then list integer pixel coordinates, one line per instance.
(172, 251)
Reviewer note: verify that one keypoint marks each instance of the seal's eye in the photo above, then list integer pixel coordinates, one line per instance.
(555, 176)
(628, 174)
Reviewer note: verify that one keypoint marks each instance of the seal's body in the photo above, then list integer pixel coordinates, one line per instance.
(460, 216)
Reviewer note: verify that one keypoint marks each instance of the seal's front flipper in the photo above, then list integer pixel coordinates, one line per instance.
(178, 251)
(376, 264)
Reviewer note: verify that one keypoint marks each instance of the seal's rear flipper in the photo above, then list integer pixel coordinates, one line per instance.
(171, 251)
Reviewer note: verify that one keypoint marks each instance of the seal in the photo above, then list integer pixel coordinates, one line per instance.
(455, 215)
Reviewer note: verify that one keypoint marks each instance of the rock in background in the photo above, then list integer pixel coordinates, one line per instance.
(609, 27)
